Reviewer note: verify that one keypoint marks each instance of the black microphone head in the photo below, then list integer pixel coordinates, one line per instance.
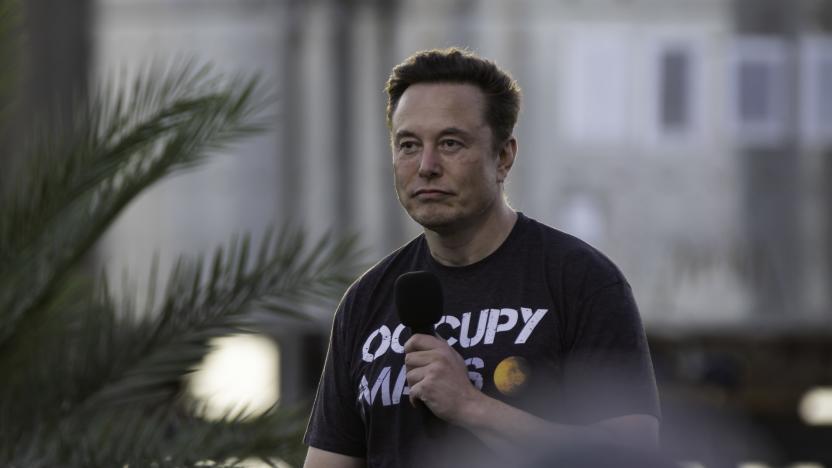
(419, 300)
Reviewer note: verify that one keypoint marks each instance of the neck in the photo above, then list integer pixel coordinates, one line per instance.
(473, 242)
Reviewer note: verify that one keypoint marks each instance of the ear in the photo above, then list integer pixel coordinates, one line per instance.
(505, 158)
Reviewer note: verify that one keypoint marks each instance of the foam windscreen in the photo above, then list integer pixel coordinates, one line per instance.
(419, 300)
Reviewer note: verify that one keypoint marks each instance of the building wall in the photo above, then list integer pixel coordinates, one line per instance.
(628, 137)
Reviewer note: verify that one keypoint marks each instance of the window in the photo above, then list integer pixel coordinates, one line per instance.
(597, 80)
(816, 89)
(675, 90)
(824, 90)
(757, 94)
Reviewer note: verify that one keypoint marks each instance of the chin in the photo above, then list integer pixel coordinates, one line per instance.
(434, 220)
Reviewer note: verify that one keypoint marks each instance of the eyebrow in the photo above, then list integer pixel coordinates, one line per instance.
(444, 132)
(403, 134)
(455, 131)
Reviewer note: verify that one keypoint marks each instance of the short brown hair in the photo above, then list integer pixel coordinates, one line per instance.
(454, 65)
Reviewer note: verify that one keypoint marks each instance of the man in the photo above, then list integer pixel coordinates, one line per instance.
(541, 343)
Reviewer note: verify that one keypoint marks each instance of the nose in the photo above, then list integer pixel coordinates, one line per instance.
(429, 165)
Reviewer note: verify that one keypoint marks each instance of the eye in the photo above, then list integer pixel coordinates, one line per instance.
(450, 144)
(408, 146)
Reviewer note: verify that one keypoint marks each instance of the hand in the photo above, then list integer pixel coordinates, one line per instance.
(437, 375)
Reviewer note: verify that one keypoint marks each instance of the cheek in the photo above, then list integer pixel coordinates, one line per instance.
(401, 174)
(479, 176)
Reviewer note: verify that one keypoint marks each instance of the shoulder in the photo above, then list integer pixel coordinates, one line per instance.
(577, 262)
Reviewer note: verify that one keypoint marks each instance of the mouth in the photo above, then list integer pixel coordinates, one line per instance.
(430, 193)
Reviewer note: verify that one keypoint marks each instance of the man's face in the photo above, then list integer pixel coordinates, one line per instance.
(447, 172)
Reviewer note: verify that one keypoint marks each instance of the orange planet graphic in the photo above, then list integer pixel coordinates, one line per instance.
(511, 375)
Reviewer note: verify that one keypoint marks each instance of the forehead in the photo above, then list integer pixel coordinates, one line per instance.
(440, 104)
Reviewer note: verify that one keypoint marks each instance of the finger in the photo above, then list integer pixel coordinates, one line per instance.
(416, 359)
(420, 342)
(420, 395)
(414, 376)
(415, 395)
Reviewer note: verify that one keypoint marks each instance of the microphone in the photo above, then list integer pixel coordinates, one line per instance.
(419, 301)
(418, 297)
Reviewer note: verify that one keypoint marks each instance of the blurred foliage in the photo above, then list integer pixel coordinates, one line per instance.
(90, 379)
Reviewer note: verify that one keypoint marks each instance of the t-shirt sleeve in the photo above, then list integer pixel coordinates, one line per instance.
(608, 371)
(335, 424)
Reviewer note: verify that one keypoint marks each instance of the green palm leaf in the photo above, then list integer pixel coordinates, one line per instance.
(118, 366)
(80, 179)
(89, 379)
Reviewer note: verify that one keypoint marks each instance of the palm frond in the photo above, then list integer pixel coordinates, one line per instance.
(199, 306)
(167, 438)
(89, 356)
(78, 181)
(89, 379)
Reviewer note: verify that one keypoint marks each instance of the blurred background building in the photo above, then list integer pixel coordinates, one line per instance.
(687, 139)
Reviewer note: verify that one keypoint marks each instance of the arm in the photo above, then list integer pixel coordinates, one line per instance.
(317, 458)
(500, 425)
(437, 375)
(335, 433)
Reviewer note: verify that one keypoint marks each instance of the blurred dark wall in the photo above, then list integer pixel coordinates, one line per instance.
(59, 53)
(823, 16)
(55, 67)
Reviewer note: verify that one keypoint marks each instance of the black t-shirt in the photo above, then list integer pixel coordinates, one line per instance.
(546, 324)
